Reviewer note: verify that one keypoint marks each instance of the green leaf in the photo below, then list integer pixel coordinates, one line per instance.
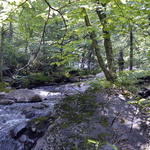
(93, 141)
(105, 1)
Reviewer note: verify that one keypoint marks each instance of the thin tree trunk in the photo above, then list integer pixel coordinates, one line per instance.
(1, 53)
(131, 49)
(108, 74)
(10, 33)
(107, 40)
(90, 52)
(120, 60)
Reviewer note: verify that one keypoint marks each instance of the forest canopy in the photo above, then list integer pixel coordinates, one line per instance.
(52, 36)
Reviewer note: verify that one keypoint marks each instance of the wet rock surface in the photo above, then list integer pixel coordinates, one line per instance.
(22, 124)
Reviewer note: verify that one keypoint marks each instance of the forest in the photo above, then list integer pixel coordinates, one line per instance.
(102, 44)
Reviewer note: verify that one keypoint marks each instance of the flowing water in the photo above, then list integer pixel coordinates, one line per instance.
(17, 113)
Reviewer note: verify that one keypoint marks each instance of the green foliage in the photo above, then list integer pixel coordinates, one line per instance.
(3, 87)
(128, 79)
(30, 81)
(99, 85)
(72, 46)
(99, 144)
(144, 103)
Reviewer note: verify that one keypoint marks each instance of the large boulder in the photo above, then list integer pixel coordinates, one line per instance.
(24, 96)
(4, 100)
(100, 121)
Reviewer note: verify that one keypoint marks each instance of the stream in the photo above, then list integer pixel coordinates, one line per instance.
(16, 116)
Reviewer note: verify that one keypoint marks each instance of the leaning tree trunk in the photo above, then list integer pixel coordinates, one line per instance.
(107, 40)
(131, 49)
(107, 73)
(1, 53)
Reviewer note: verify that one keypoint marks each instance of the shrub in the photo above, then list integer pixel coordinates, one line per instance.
(99, 85)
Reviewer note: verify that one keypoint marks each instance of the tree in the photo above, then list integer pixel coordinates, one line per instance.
(108, 74)
(70, 32)
(1, 52)
(131, 49)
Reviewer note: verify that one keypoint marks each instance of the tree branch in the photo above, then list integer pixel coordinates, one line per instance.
(39, 48)
(57, 10)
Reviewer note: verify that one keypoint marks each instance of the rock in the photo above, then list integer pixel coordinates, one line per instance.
(100, 75)
(121, 97)
(23, 138)
(2, 95)
(145, 92)
(18, 130)
(6, 101)
(82, 121)
(24, 96)
(8, 88)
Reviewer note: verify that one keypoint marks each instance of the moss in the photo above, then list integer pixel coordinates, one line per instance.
(65, 125)
(102, 137)
(78, 108)
(36, 98)
(104, 121)
(40, 122)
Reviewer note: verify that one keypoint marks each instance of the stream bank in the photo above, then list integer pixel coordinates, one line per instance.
(81, 121)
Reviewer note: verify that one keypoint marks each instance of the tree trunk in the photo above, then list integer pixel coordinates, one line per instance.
(131, 49)
(10, 33)
(107, 73)
(120, 60)
(1, 53)
(107, 40)
(90, 52)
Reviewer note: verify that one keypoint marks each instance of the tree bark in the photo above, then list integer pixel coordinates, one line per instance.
(131, 49)
(107, 73)
(1, 53)
(107, 40)
(120, 60)
(10, 33)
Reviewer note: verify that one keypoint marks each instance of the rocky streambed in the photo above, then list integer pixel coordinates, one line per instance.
(26, 114)
(69, 117)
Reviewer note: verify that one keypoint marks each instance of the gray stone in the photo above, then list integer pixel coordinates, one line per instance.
(2, 95)
(15, 132)
(24, 96)
(23, 138)
(6, 101)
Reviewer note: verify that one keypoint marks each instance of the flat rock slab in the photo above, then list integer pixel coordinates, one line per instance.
(100, 121)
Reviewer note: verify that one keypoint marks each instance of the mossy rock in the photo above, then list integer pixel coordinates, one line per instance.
(39, 124)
